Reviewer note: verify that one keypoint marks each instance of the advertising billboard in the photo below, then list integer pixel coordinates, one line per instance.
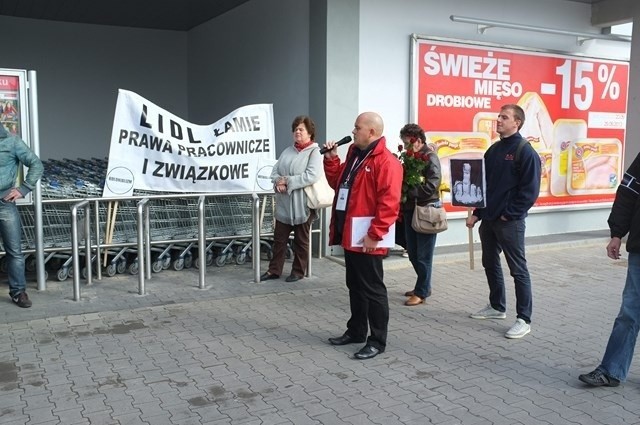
(575, 112)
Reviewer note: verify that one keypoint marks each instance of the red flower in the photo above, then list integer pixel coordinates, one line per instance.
(413, 164)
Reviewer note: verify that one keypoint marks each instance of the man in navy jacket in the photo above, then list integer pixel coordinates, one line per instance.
(513, 184)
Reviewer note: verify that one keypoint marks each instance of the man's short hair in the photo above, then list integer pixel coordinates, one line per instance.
(518, 112)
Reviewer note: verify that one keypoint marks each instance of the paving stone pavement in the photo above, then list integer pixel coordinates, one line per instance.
(245, 353)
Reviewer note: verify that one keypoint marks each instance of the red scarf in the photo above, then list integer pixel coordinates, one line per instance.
(303, 146)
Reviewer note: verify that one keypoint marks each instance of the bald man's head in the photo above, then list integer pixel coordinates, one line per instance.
(367, 129)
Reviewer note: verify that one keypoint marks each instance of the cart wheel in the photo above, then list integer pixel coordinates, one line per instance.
(84, 273)
(166, 262)
(188, 261)
(30, 265)
(221, 260)
(241, 258)
(178, 264)
(46, 275)
(121, 267)
(134, 268)
(111, 270)
(269, 254)
(289, 253)
(70, 272)
(63, 274)
(156, 267)
(209, 258)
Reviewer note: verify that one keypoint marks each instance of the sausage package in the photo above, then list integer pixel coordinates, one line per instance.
(565, 132)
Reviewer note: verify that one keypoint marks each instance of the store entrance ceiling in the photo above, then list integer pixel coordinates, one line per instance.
(178, 15)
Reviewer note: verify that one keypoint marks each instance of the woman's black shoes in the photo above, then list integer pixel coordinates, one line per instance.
(292, 278)
(269, 276)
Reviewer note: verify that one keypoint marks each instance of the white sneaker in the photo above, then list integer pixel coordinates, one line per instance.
(405, 254)
(489, 313)
(518, 330)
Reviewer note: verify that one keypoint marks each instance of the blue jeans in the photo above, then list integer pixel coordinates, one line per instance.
(619, 352)
(420, 247)
(506, 236)
(11, 233)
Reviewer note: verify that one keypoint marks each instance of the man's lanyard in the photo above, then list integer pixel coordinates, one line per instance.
(343, 193)
(354, 169)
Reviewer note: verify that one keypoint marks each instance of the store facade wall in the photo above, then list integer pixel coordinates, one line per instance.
(384, 78)
(327, 58)
(255, 53)
(80, 68)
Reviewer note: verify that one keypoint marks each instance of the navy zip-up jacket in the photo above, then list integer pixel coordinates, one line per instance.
(512, 189)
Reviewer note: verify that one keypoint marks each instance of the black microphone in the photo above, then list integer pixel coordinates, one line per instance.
(344, 140)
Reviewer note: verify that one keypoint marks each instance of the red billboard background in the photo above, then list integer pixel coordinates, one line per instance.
(575, 112)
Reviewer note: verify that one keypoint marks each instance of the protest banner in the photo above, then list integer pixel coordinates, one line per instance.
(154, 150)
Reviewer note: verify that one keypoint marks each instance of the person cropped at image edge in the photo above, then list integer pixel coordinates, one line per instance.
(14, 153)
(624, 219)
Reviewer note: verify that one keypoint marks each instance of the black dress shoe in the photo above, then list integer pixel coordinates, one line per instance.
(268, 276)
(367, 352)
(598, 378)
(344, 340)
(292, 278)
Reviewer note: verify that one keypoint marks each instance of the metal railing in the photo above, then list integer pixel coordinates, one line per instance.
(144, 242)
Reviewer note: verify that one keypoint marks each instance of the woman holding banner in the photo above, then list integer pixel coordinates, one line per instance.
(420, 186)
(300, 165)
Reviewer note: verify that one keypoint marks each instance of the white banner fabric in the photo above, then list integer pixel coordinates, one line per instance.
(155, 150)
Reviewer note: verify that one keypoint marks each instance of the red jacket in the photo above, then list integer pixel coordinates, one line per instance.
(375, 192)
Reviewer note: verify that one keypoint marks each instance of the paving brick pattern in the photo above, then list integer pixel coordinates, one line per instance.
(242, 353)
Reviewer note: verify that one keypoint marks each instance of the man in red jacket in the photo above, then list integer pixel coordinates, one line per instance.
(367, 184)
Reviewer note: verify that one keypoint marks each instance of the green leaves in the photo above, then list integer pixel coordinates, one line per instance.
(413, 164)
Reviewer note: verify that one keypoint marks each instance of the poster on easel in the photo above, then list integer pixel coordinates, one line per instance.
(575, 112)
(14, 115)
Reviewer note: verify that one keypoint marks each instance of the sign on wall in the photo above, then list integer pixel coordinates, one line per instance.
(13, 103)
(575, 111)
(14, 111)
(153, 149)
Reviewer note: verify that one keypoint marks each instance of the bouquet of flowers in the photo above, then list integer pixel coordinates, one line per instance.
(413, 164)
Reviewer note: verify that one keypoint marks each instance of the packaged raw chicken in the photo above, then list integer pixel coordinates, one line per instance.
(594, 166)
(538, 127)
(486, 122)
